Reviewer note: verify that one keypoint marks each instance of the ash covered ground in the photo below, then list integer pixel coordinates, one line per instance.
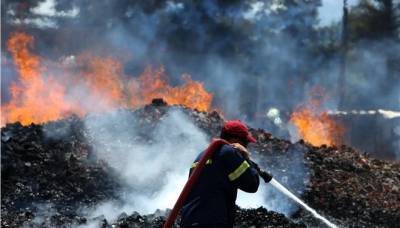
(76, 172)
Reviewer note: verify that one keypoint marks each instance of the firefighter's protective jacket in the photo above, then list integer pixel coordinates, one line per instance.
(211, 202)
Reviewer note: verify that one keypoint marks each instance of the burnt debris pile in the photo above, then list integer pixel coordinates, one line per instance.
(344, 184)
(39, 170)
(50, 172)
(259, 217)
(359, 189)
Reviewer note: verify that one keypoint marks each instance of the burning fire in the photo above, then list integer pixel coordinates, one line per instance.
(315, 126)
(37, 97)
(152, 83)
(86, 84)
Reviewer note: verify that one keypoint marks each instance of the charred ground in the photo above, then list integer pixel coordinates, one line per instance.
(46, 181)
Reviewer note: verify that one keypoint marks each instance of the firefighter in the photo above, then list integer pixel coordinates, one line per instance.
(211, 201)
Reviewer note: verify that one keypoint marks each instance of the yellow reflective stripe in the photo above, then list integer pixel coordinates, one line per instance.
(239, 171)
(209, 161)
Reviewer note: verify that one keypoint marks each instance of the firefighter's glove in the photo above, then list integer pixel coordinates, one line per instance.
(245, 153)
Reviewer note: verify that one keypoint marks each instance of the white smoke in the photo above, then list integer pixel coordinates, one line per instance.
(290, 170)
(43, 213)
(48, 8)
(155, 170)
(44, 15)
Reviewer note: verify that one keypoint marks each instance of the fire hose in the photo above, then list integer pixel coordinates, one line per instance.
(217, 143)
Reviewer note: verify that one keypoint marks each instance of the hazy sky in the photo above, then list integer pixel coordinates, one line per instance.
(332, 10)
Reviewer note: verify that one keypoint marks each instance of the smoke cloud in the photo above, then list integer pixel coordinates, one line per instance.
(252, 55)
(154, 169)
(155, 166)
(290, 170)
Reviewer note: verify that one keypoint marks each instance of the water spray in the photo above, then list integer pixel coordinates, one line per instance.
(388, 114)
(268, 179)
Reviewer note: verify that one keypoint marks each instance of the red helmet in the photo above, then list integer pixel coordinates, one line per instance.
(237, 129)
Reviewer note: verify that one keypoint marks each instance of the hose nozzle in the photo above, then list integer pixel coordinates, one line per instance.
(263, 174)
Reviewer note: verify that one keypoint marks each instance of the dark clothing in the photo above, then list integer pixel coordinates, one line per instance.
(211, 201)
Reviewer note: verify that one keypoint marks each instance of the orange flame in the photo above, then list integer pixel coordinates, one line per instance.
(92, 84)
(315, 126)
(153, 84)
(36, 98)
(102, 81)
